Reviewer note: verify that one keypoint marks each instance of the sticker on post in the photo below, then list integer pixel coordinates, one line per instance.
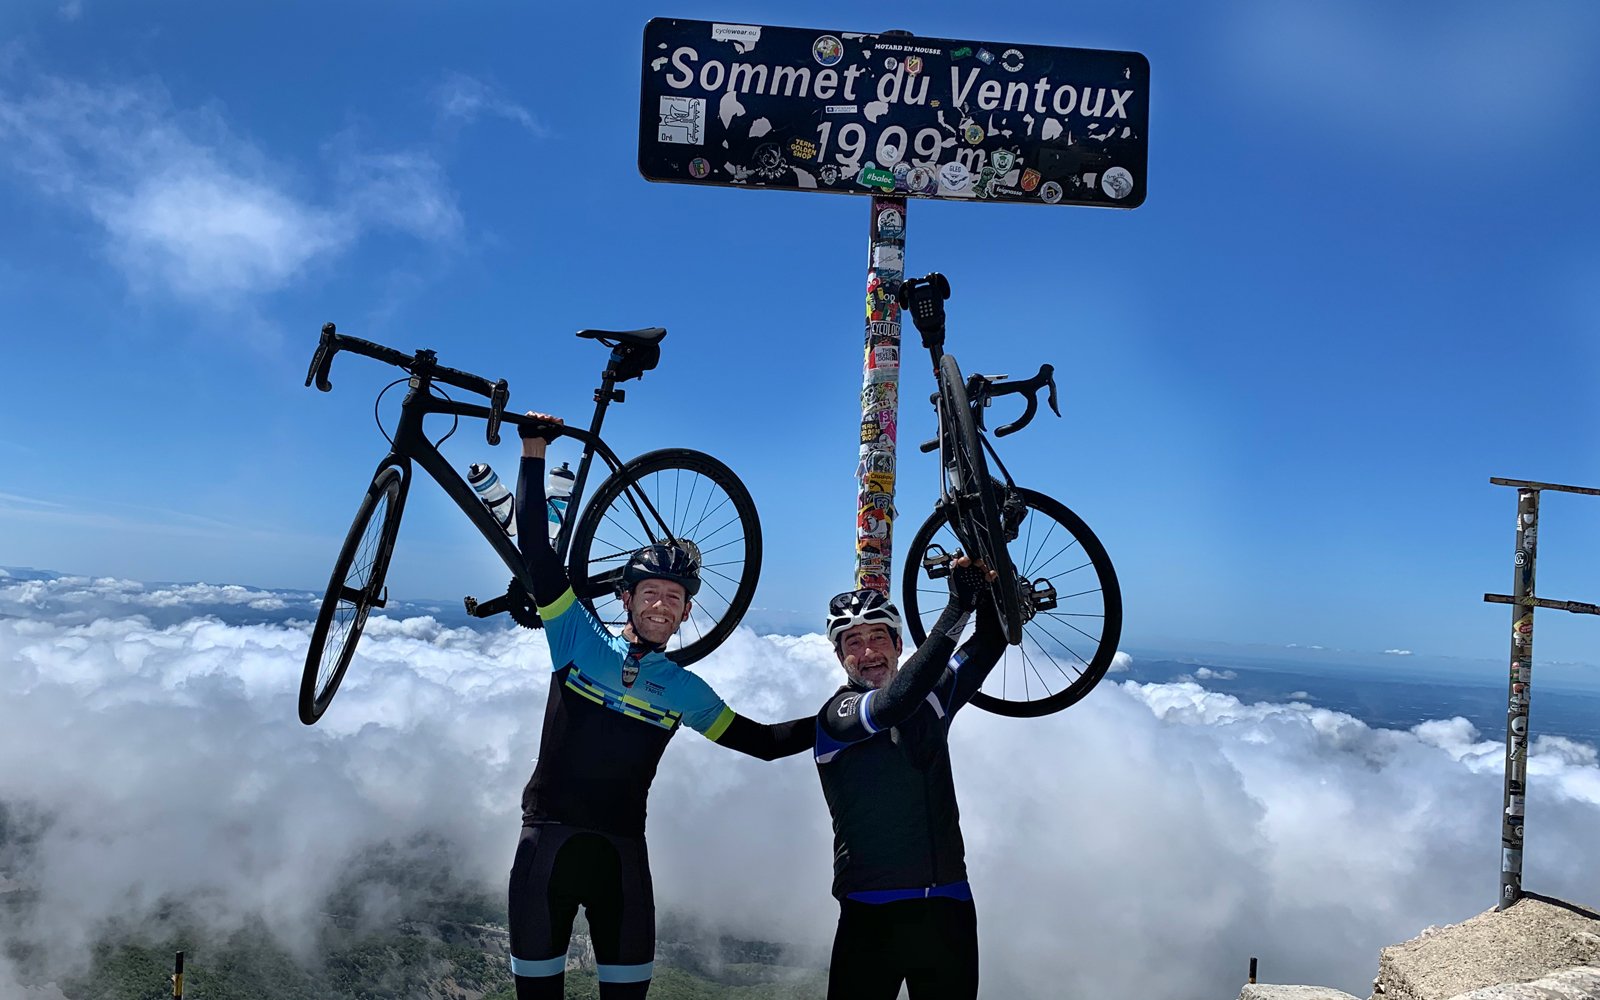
(888, 259)
(891, 224)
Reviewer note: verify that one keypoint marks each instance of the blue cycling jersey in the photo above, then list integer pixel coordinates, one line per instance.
(612, 709)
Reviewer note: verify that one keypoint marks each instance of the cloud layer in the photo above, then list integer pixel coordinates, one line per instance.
(189, 207)
(1146, 842)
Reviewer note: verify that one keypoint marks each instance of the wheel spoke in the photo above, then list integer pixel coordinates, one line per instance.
(624, 529)
(705, 551)
(1074, 627)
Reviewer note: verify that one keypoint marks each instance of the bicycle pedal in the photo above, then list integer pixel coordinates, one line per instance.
(1042, 595)
(936, 565)
(486, 609)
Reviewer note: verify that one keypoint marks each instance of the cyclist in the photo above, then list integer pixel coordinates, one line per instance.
(905, 908)
(614, 703)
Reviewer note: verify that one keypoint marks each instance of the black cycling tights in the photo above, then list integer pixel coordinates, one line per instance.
(557, 869)
(931, 944)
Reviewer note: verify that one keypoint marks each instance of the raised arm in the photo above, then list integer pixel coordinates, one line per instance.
(550, 582)
(978, 655)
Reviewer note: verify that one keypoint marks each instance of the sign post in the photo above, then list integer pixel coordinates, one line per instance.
(895, 117)
(880, 396)
(1520, 695)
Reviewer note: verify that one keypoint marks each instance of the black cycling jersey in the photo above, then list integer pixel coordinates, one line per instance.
(612, 708)
(884, 763)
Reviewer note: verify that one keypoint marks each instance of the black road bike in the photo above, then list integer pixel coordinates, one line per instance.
(1055, 588)
(671, 495)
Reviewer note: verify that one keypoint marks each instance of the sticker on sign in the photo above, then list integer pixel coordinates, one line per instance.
(683, 120)
(743, 36)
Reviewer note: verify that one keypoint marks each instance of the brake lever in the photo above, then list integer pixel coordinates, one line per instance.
(322, 360)
(1049, 373)
(498, 397)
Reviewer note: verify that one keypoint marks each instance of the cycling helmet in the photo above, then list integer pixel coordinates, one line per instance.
(678, 562)
(861, 607)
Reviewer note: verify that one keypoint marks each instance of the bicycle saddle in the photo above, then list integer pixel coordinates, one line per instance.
(632, 338)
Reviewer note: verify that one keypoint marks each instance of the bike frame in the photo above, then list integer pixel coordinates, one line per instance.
(977, 398)
(410, 444)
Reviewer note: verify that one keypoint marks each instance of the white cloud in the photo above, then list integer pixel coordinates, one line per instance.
(1098, 839)
(189, 207)
(1208, 674)
(466, 98)
(1397, 652)
(1120, 663)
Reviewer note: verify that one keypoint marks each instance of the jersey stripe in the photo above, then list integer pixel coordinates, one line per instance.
(632, 707)
(721, 725)
(559, 606)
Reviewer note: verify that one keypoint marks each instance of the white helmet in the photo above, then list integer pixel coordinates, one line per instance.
(861, 607)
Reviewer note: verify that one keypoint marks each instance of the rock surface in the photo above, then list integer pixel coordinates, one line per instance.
(1582, 983)
(1525, 942)
(1273, 991)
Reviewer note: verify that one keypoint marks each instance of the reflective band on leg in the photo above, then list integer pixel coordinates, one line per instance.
(537, 968)
(625, 973)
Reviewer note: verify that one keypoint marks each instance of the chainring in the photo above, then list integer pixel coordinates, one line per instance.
(521, 607)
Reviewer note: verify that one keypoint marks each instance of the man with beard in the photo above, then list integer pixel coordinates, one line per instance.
(899, 867)
(615, 701)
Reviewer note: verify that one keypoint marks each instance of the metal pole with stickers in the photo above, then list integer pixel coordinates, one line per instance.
(1523, 602)
(893, 116)
(880, 397)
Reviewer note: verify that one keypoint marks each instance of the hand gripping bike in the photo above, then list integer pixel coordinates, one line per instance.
(670, 495)
(1056, 591)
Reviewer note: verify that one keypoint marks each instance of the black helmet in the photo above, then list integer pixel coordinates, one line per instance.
(678, 562)
(861, 607)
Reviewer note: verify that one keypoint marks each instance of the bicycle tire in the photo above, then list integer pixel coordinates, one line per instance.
(982, 534)
(344, 609)
(611, 527)
(1079, 605)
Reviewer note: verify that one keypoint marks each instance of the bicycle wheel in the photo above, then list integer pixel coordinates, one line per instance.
(1068, 638)
(977, 510)
(701, 504)
(354, 590)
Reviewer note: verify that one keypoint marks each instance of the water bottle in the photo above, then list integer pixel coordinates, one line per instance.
(557, 490)
(502, 503)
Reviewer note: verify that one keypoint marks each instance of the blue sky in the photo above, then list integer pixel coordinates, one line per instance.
(1363, 282)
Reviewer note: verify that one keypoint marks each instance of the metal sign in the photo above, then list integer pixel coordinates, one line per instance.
(801, 109)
